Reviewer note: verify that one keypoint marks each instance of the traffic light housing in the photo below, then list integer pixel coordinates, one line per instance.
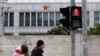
(76, 17)
(73, 17)
(65, 22)
(65, 12)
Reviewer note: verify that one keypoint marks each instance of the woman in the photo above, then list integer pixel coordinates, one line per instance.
(24, 50)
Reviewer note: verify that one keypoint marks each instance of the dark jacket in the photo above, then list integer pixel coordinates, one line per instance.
(37, 52)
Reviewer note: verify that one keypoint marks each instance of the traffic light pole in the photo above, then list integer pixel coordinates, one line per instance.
(72, 33)
(84, 28)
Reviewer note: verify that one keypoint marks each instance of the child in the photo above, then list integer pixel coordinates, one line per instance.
(17, 52)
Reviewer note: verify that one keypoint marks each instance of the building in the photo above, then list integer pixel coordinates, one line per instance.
(38, 18)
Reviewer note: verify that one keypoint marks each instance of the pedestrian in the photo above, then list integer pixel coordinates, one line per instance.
(17, 52)
(38, 50)
(24, 50)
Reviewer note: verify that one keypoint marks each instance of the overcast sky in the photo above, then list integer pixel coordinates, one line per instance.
(50, 1)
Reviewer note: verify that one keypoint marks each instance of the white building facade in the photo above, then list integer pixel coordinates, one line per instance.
(31, 18)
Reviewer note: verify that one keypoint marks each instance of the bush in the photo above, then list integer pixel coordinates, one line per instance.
(60, 30)
(94, 31)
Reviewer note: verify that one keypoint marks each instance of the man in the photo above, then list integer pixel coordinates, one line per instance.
(38, 50)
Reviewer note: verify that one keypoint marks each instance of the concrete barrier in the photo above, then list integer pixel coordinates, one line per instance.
(56, 45)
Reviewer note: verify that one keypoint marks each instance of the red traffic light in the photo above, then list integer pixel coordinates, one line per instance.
(76, 12)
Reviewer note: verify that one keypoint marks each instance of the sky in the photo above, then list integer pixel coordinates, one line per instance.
(36, 1)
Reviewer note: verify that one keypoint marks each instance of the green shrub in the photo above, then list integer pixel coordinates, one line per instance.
(60, 30)
(94, 31)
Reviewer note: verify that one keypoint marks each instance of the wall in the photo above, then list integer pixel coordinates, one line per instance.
(56, 45)
(94, 45)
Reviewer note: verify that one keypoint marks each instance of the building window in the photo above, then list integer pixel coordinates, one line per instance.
(39, 16)
(51, 18)
(5, 19)
(9, 19)
(88, 19)
(57, 18)
(21, 19)
(27, 19)
(96, 18)
(33, 19)
(45, 17)
(11, 23)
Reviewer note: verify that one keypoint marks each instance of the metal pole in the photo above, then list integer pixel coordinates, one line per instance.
(72, 32)
(72, 2)
(84, 28)
(1, 17)
(72, 43)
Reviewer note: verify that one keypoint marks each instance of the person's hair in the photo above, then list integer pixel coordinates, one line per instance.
(40, 42)
(24, 50)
